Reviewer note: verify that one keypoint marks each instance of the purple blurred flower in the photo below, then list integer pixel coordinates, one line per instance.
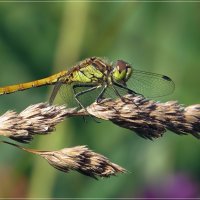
(178, 186)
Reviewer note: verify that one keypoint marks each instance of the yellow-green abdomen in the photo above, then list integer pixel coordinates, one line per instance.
(37, 83)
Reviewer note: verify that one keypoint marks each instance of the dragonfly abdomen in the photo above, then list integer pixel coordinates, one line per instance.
(37, 83)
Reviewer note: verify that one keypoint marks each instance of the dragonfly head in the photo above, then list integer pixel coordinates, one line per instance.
(121, 71)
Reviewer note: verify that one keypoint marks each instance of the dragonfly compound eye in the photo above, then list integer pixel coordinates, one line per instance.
(122, 71)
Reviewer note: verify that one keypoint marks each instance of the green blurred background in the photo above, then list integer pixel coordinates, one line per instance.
(39, 39)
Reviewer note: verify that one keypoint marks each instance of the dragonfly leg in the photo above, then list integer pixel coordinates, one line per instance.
(81, 85)
(92, 87)
(117, 93)
(82, 92)
(100, 96)
(126, 88)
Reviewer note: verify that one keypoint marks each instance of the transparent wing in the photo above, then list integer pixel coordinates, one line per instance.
(66, 95)
(110, 93)
(87, 98)
(150, 84)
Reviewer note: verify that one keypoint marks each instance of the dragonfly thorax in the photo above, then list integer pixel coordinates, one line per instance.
(121, 71)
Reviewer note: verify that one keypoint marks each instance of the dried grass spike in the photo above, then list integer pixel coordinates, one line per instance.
(80, 159)
(40, 118)
(147, 118)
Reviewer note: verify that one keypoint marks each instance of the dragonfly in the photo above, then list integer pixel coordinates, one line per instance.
(96, 73)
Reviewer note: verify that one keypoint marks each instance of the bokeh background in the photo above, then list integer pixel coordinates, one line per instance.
(39, 39)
